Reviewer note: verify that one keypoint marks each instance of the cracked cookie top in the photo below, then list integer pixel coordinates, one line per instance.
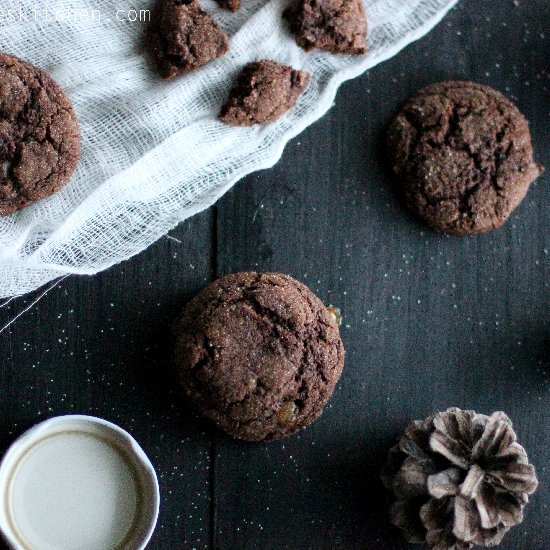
(185, 37)
(259, 354)
(39, 135)
(464, 157)
(265, 90)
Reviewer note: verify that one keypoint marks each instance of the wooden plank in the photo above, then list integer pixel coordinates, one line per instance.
(101, 346)
(429, 321)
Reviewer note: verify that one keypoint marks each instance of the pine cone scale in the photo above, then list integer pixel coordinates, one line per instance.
(516, 478)
(452, 450)
(497, 437)
(472, 483)
(465, 525)
(488, 510)
(445, 484)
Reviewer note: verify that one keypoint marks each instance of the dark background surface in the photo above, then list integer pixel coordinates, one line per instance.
(429, 321)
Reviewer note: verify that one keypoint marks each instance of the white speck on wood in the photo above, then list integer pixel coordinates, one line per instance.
(174, 239)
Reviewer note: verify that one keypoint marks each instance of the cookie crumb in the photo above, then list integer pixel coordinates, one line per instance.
(231, 5)
(336, 314)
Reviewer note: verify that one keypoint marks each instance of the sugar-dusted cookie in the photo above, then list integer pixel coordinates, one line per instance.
(463, 156)
(39, 135)
(259, 354)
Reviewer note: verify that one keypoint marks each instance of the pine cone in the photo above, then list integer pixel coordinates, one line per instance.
(459, 480)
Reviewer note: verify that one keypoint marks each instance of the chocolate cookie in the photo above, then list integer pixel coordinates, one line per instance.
(338, 26)
(265, 90)
(39, 135)
(258, 354)
(185, 37)
(464, 157)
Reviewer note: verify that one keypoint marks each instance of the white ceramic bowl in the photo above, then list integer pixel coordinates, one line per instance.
(77, 483)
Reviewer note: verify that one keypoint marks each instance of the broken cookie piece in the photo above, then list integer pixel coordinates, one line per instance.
(185, 37)
(265, 90)
(231, 5)
(338, 26)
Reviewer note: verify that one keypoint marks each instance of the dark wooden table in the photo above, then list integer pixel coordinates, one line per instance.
(429, 321)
